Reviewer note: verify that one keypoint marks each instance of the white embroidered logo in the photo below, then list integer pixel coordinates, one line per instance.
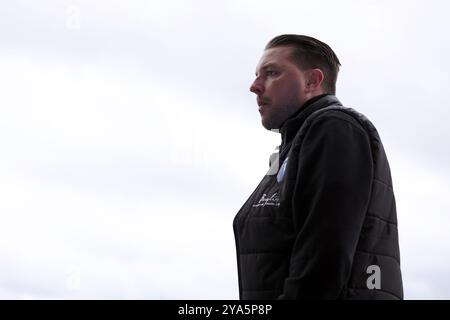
(274, 200)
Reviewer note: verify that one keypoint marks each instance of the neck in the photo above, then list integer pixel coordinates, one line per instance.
(291, 126)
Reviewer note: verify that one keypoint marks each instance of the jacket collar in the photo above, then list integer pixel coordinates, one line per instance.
(290, 127)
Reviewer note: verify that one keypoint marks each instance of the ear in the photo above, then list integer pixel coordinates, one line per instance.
(314, 79)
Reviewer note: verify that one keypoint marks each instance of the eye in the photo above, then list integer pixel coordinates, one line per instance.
(271, 73)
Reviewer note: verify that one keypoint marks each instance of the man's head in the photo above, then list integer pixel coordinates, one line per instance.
(292, 70)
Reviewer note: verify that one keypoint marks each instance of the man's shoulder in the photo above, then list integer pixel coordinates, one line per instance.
(338, 116)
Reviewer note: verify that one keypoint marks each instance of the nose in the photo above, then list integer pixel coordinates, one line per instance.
(257, 87)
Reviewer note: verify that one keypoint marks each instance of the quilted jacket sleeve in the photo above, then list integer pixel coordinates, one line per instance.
(330, 199)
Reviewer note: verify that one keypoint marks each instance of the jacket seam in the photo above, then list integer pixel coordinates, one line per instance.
(324, 117)
(385, 291)
(379, 254)
(318, 119)
(384, 183)
(384, 220)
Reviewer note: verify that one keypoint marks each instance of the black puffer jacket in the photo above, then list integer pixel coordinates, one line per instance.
(318, 226)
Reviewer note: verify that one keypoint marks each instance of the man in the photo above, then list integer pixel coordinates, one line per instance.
(323, 225)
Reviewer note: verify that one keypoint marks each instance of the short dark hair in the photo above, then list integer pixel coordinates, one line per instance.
(310, 53)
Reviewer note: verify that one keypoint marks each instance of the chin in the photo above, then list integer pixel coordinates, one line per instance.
(269, 125)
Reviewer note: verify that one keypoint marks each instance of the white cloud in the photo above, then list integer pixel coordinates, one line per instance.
(71, 227)
(422, 207)
(128, 145)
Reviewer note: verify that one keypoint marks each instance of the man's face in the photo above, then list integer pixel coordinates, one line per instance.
(279, 86)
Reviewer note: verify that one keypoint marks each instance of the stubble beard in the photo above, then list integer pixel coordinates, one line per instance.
(278, 116)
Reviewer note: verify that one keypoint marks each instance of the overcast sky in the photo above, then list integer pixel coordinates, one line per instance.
(129, 138)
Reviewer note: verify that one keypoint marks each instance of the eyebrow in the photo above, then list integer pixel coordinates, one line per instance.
(267, 66)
